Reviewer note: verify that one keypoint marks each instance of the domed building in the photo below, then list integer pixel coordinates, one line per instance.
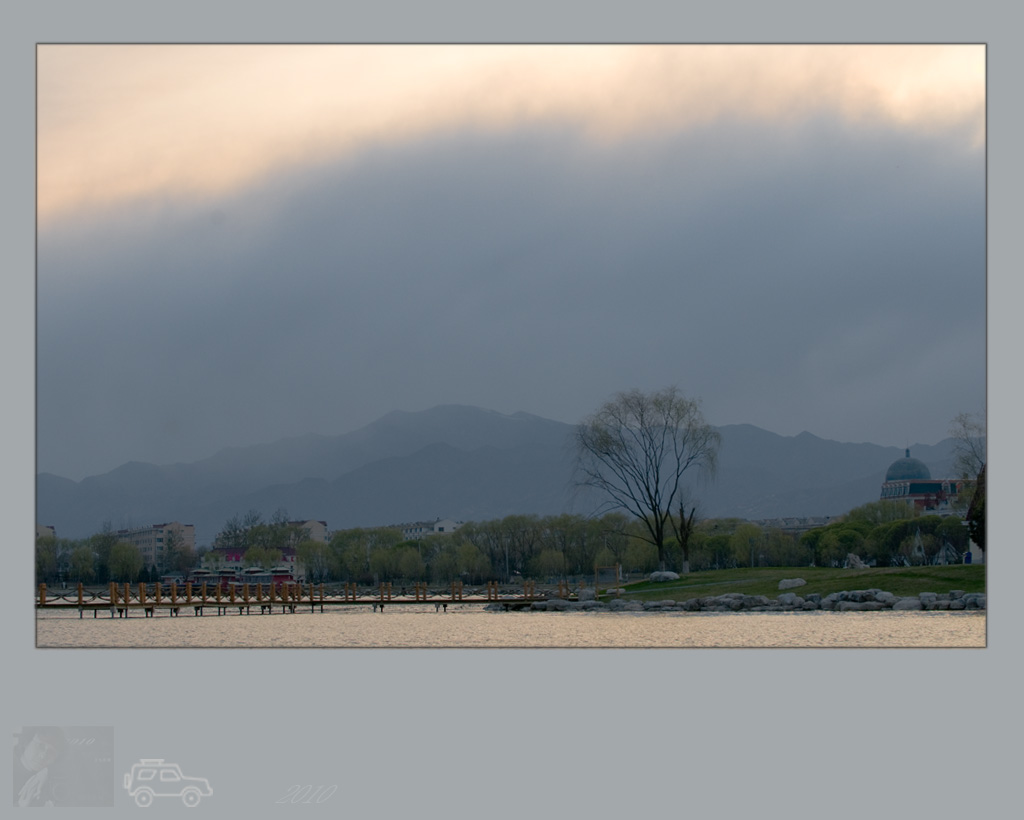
(910, 480)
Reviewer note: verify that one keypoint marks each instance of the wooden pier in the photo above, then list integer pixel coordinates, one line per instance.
(149, 599)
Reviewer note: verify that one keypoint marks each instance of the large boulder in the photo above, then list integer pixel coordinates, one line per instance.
(911, 602)
(791, 583)
(664, 576)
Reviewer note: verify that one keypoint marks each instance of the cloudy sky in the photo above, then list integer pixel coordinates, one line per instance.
(242, 243)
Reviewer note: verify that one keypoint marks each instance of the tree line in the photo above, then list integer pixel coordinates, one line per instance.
(542, 548)
(103, 557)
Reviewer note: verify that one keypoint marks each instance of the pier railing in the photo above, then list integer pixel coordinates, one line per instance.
(122, 599)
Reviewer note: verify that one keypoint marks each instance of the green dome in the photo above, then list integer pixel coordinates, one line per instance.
(907, 468)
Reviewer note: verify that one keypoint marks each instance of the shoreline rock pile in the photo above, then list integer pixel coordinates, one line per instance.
(859, 600)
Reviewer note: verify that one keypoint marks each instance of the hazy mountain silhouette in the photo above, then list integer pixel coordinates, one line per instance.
(454, 462)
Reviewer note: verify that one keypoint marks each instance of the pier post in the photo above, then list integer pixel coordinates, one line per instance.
(148, 611)
(159, 592)
(188, 592)
(174, 593)
(127, 597)
(42, 595)
(81, 594)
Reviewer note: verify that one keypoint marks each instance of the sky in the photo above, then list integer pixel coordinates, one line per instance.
(242, 243)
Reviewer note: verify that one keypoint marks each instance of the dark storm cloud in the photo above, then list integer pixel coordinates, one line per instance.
(810, 278)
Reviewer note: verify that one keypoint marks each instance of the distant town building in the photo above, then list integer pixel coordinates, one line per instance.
(794, 526)
(422, 529)
(152, 541)
(909, 480)
(309, 531)
(233, 558)
(45, 531)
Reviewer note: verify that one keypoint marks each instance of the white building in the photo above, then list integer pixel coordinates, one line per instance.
(422, 529)
(311, 530)
(152, 541)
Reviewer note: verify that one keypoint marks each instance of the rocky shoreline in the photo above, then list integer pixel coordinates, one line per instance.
(859, 600)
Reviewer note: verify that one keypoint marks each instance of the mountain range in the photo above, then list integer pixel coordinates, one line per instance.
(457, 462)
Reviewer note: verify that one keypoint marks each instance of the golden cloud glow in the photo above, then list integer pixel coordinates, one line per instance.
(116, 122)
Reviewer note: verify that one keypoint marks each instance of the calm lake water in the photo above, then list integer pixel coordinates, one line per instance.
(470, 626)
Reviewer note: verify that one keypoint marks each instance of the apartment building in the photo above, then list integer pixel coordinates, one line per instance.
(152, 541)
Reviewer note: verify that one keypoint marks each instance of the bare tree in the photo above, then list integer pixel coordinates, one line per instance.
(968, 433)
(636, 450)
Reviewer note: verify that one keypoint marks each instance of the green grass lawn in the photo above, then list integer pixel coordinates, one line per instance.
(900, 581)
